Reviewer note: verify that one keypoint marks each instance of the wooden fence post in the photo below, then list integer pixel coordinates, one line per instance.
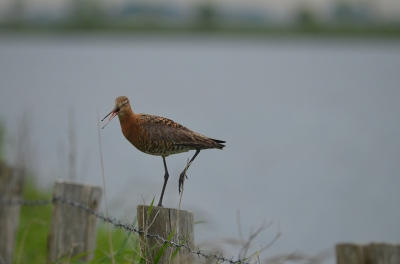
(11, 189)
(162, 222)
(383, 253)
(72, 229)
(374, 253)
(350, 254)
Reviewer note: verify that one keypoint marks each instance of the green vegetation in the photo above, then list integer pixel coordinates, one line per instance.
(126, 246)
(90, 15)
(34, 226)
(306, 29)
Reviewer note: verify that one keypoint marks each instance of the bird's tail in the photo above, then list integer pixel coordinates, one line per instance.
(219, 144)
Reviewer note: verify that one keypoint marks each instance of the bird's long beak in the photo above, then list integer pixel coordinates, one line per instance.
(113, 113)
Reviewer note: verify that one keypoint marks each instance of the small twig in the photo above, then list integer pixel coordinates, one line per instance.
(278, 234)
(71, 250)
(104, 187)
(129, 241)
(239, 226)
(257, 256)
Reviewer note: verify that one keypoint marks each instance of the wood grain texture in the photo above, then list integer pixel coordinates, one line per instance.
(162, 222)
(383, 253)
(373, 253)
(11, 189)
(73, 230)
(350, 254)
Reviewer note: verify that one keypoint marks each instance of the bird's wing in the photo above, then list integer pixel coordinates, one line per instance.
(167, 130)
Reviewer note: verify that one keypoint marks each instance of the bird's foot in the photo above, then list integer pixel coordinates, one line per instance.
(181, 180)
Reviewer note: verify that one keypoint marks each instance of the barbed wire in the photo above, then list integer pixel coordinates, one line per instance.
(128, 227)
(25, 202)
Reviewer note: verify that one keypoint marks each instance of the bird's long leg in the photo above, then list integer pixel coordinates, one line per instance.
(183, 174)
(166, 176)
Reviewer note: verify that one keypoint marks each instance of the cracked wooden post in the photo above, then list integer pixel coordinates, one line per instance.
(73, 230)
(162, 222)
(11, 189)
(373, 253)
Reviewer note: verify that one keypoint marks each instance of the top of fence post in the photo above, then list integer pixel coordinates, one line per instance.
(163, 221)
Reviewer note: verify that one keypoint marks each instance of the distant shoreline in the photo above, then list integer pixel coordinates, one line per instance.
(301, 30)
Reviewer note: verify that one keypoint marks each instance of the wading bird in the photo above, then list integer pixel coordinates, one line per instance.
(159, 136)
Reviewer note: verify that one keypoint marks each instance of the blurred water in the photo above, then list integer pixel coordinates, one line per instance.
(312, 128)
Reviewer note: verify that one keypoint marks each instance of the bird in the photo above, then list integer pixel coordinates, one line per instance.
(159, 136)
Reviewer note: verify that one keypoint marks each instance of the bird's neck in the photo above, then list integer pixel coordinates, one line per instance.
(126, 117)
(128, 125)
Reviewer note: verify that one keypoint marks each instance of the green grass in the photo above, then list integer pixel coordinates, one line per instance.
(126, 246)
(33, 228)
(34, 225)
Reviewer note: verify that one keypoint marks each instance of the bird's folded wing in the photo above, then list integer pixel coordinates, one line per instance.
(181, 136)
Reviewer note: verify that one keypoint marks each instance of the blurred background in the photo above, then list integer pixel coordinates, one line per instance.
(227, 15)
(306, 94)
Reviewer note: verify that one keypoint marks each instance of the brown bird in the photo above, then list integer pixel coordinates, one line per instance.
(159, 136)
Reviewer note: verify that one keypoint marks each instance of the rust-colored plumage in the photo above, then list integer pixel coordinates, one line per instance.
(159, 136)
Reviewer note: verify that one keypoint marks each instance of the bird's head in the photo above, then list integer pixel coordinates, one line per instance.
(122, 106)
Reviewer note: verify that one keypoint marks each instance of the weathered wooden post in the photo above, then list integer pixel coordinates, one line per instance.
(162, 221)
(350, 254)
(72, 229)
(11, 189)
(383, 253)
(374, 253)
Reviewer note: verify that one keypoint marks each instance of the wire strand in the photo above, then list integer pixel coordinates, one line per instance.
(128, 227)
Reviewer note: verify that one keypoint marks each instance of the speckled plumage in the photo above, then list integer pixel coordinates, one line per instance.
(159, 136)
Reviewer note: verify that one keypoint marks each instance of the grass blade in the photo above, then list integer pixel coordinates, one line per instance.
(162, 249)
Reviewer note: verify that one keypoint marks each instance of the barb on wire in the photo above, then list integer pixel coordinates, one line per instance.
(128, 227)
